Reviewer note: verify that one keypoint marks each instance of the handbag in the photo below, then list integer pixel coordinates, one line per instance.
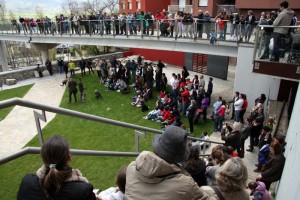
(218, 193)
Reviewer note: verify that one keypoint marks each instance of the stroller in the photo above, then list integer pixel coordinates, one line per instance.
(294, 54)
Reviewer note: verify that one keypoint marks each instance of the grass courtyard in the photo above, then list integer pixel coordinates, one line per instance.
(83, 134)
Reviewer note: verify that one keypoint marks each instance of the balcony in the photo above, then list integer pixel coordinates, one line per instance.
(288, 65)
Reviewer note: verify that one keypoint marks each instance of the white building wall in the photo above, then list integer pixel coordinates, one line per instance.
(289, 186)
(253, 84)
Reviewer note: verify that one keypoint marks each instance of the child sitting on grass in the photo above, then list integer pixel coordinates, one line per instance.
(98, 95)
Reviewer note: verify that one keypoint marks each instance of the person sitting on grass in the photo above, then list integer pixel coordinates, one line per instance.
(97, 94)
(137, 101)
(116, 193)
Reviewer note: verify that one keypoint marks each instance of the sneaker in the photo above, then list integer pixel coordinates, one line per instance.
(145, 117)
(250, 150)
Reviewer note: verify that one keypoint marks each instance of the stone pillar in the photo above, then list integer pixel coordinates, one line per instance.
(3, 57)
(44, 50)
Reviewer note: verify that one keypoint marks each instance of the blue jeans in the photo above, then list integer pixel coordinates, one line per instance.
(216, 121)
(237, 116)
(183, 108)
(221, 119)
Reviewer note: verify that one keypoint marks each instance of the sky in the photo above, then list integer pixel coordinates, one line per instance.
(26, 8)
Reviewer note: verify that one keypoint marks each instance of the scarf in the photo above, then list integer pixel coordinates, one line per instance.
(75, 176)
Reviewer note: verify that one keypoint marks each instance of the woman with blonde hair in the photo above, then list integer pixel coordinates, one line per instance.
(230, 181)
(56, 179)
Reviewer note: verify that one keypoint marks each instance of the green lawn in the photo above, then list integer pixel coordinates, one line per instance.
(83, 134)
(11, 93)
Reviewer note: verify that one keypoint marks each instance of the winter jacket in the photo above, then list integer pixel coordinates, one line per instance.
(274, 168)
(263, 154)
(232, 139)
(260, 192)
(75, 187)
(151, 177)
(283, 19)
(232, 195)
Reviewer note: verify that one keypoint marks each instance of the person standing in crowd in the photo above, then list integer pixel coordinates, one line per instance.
(210, 88)
(158, 175)
(216, 107)
(89, 65)
(250, 23)
(60, 64)
(201, 81)
(221, 116)
(232, 138)
(71, 67)
(238, 108)
(56, 179)
(268, 31)
(223, 18)
(191, 115)
(234, 99)
(283, 19)
(82, 65)
(81, 90)
(200, 24)
(72, 85)
(49, 67)
(207, 24)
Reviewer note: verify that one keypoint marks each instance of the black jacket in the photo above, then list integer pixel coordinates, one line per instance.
(30, 188)
(232, 139)
(274, 168)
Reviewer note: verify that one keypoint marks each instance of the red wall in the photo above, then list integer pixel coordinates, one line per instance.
(170, 57)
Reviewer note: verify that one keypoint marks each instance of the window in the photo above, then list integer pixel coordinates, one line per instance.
(123, 6)
(203, 3)
(138, 5)
(129, 5)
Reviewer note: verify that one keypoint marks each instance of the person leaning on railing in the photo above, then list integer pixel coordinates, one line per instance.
(283, 19)
(207, 23)
(56, 179)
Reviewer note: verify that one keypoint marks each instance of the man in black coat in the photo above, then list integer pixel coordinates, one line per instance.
(72, 89)
(200, 24)
(233, 138)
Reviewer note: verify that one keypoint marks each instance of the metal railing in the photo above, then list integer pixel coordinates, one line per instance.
(288, 45)
(171, 28)
(139, 130)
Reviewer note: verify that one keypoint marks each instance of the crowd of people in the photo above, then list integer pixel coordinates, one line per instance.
(177, 24)
(184, 98)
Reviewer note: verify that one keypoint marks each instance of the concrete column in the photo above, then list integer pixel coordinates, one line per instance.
(289, 186)
(3, 57)
(44, 50)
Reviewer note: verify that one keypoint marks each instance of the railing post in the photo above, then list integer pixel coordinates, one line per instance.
(157, 28)
(114, 28)
(90, 28)
(176, 28)
(195, 29)
(142, 28)
(138, 134)
(255, 46)
(127, 28)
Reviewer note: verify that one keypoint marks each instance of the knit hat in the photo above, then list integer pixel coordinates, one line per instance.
(172, 145)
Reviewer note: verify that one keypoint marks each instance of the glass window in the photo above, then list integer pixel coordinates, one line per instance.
(129, 5)
(123, 5)
(138, 5)
(203, 3)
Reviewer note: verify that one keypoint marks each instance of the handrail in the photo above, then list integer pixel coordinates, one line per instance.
(58, 110)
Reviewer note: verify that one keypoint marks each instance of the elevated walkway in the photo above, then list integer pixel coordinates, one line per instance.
(221, 48)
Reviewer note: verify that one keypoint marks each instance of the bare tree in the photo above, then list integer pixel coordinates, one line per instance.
(112, 5)
(39, 12)
(71, 7)
(12, 15)
(2, 11)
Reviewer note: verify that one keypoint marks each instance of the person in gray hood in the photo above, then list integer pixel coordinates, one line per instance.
(158, 175)
(283, 19)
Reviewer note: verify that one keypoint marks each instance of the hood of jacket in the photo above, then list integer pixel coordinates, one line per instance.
(153, 169)
(260, 186)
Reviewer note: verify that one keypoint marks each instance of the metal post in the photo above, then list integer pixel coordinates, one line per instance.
(127, 28)
(138, 134)
(142, 28)
(176, 29)
(157, 28)
(114, 28)
(90, 27)
(255, 46)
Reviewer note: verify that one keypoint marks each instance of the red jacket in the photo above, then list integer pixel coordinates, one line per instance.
(245, 105)
(167, 115)
(221, 111)
(185, 96)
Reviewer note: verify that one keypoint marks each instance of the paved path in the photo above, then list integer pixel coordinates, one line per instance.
(18, 128)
